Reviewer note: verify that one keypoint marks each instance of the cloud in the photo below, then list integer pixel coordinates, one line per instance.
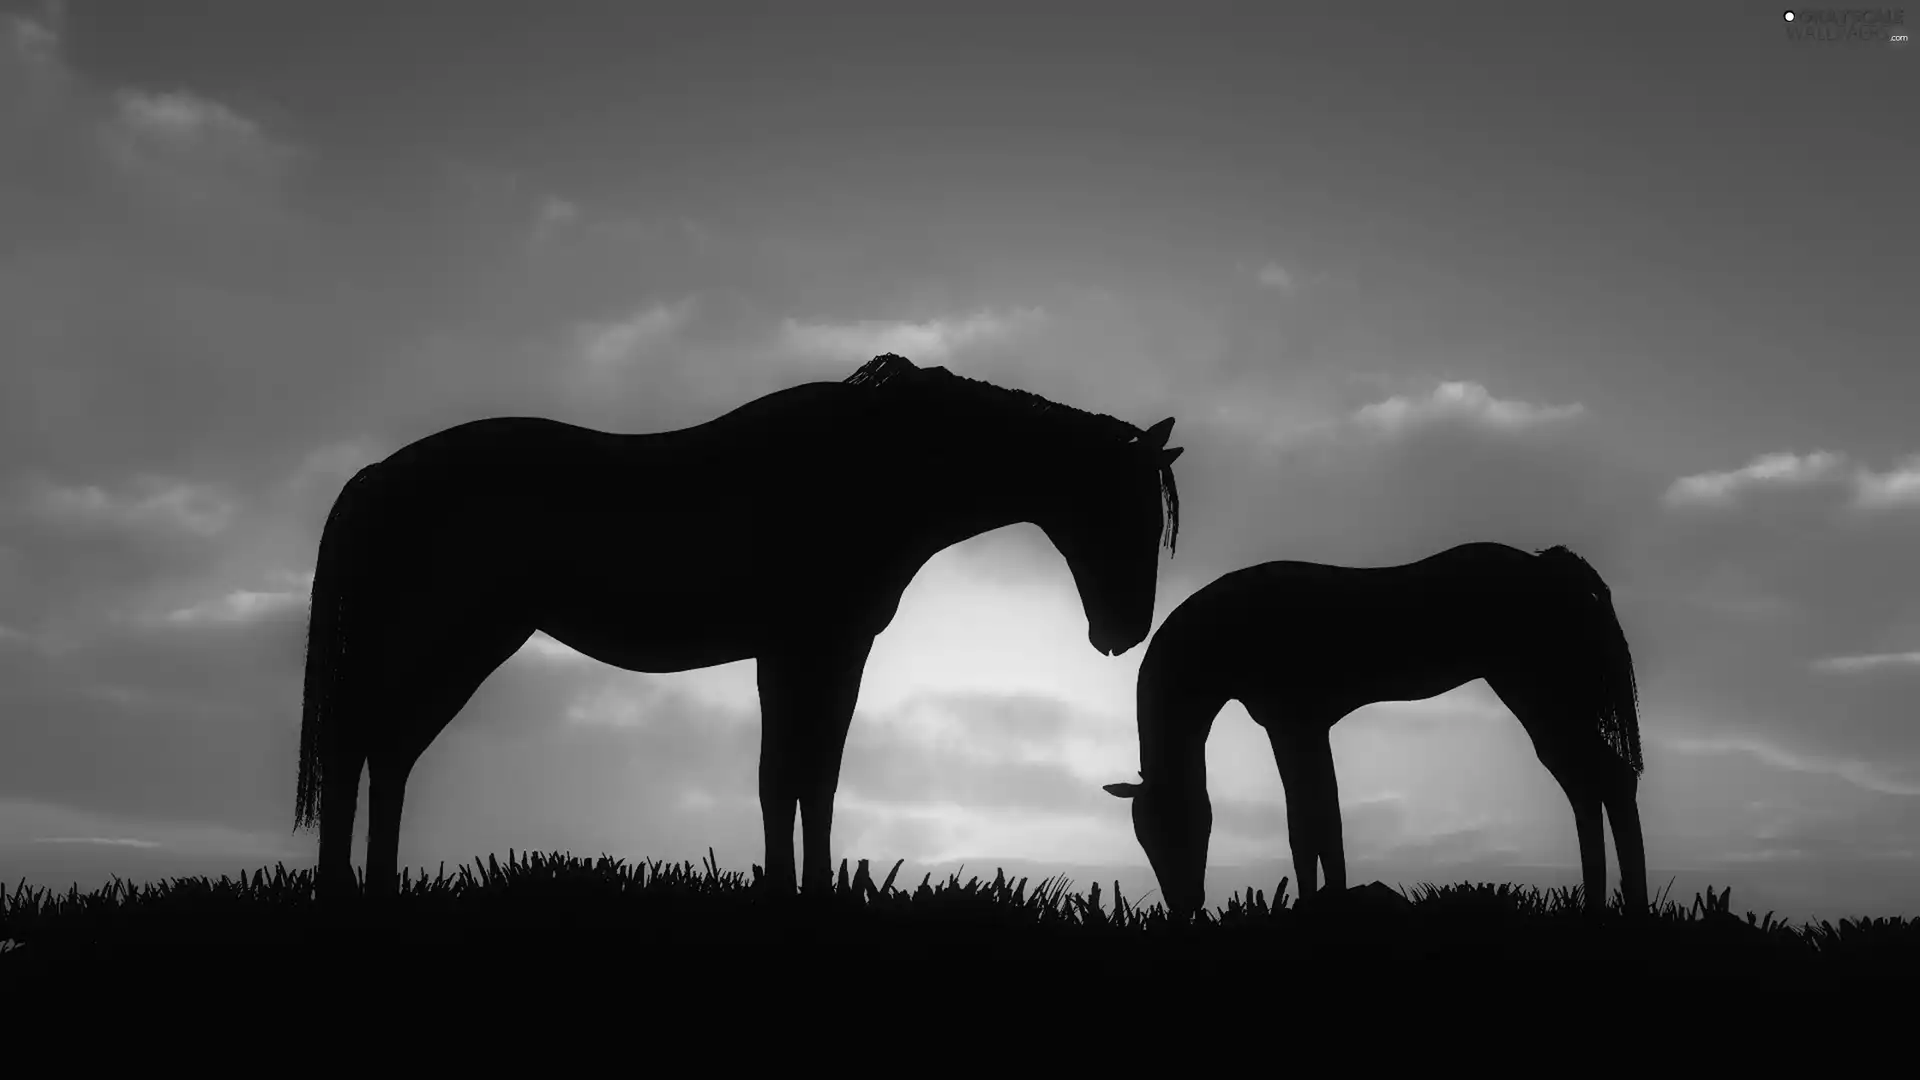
(1399, 479)
(155, 504)
(1899, 486)
(160, 279)
(605, 345)
(622, 698)
(180, 147)
(930, 342)
(1460, 401)
(1783, 469)
(1859, 773)
(930, 831)
(109, 841)
(1849, 665)
(30, 62)
(41, 839)
(1303, 419)
(180, 137)
(1275, 276)
(553, 215)
(237, 608)
(617, 708)
(333, 464)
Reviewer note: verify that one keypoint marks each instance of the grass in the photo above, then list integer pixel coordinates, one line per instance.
(694, 927)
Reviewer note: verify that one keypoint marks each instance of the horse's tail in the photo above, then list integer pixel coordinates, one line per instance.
(326, 650)
(1617, 698)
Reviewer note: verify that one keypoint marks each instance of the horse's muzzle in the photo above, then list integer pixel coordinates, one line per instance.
(1111, 644)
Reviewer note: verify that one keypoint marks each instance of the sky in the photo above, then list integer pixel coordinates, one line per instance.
(1634, 280)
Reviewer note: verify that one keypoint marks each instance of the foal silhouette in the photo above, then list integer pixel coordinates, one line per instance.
(784, 531)
(1301, 645)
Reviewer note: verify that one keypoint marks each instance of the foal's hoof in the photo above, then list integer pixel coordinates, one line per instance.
(1373, 898)
(1377, 897)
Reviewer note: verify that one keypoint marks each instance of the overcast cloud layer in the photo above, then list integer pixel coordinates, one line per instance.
(1394, 302)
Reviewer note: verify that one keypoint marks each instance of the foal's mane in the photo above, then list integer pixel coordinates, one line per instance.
(1617, 700)
(890, 370)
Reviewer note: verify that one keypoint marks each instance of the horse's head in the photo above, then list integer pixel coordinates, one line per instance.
(1173, 824)
(1107, 515)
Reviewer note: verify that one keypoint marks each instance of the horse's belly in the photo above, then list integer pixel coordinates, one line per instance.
(650, 646)
(650, 630)
(1358, 657)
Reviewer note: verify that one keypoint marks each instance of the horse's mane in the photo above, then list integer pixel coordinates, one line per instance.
(891, 370)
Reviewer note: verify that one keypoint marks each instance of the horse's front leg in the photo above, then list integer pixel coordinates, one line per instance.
(808, 692)
(778, 800)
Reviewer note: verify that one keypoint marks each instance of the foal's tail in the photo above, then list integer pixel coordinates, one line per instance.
(326, 649)
(1616, 695)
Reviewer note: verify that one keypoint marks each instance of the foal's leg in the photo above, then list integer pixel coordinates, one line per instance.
(1302, 837)
(1623, 812)
(1565, 742)
(1305, 757)
(1317, 766)
(1590, 829)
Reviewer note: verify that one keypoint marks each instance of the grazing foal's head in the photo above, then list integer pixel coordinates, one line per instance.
(1173, 823)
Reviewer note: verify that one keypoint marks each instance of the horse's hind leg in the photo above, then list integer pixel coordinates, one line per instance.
(386, 792)
(1623, 812)
(1566, 745)
(425, 701)
(339, 796)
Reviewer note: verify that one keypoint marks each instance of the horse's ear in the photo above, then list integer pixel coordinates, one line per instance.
(1167, 456)
(1124, 791)
(1155, 437)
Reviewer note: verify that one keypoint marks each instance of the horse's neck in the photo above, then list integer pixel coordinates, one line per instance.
(1173, 749)
(1175, 711)
(959, 503)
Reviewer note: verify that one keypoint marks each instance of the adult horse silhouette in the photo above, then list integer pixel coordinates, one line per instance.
(784, 531)
(1301, 645)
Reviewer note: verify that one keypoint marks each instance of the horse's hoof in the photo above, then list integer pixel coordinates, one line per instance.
(772, 891)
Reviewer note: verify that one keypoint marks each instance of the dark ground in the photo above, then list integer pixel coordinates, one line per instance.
(665, 942)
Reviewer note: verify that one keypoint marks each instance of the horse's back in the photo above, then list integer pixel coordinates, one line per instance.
(1322, 615)
(495, 437)
(560, 521)
(1471, 562)
(548, 459)
(537, 439)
